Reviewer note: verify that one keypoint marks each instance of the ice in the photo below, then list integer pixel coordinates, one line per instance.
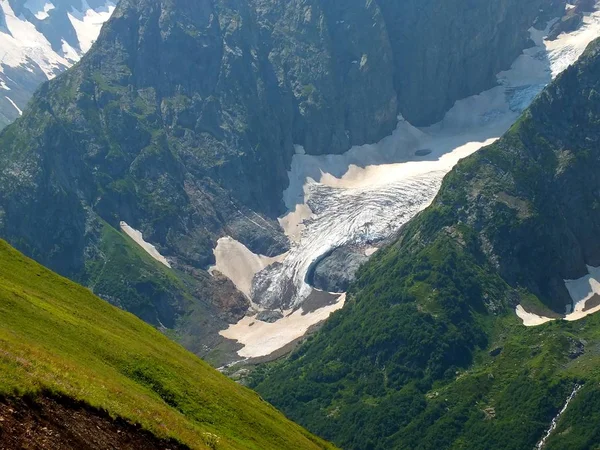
(366, 194)
(39, 8)
(239, 264)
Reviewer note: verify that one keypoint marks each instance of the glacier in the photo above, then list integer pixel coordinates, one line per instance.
(365, 195)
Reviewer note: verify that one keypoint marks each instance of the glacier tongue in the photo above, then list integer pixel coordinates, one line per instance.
(365, 195)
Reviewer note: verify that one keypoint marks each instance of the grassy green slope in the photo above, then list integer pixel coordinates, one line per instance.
(58, 338)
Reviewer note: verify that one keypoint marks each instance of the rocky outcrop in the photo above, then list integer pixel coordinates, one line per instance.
(337, 270)
(573, 17)
(569, 22)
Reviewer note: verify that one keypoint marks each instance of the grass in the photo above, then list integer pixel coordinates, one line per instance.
(122, 272)
(58, 338)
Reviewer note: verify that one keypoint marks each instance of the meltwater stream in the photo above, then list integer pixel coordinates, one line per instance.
(365, 195)
(540, 445)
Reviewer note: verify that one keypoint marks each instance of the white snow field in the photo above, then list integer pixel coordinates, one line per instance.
(148, 248)
(240, 265)
(582, 291)
(88, 22)
(35, 46)
(366, 194)
(262, 338)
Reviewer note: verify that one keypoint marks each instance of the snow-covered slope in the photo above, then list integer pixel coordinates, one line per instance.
(363, 196)
(38, 40)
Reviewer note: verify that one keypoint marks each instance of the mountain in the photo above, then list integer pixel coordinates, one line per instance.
(178, 128)
(39, 40)
(428, 351)
(115, 381)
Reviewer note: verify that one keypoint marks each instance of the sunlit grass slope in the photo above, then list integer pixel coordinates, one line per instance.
(57, 338)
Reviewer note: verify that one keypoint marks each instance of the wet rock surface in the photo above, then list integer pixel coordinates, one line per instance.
(337, 270)
(269, 316)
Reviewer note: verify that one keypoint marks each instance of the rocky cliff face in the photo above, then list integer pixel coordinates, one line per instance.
(181, 122)
(353, 66)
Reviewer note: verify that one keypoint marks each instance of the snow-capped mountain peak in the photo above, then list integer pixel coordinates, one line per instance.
(38, 40)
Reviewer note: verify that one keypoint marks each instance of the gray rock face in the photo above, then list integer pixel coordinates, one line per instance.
(570, 22)
(337, 270)
(269, 316)
(352, 66)
(444, 51)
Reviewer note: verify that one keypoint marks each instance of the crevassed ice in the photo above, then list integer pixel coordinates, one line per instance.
(367, 193)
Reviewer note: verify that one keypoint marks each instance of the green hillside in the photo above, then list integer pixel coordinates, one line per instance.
(58, 339)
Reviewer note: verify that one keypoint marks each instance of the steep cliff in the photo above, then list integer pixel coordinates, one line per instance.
(478, 41)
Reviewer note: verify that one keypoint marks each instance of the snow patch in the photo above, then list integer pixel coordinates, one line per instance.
(14, 104)
(39, 8)
(530, 319)
(293, 222)
(239, 264)
(262, 338)
(582, 291)
(585, 293)
(371, 251)
(69, 52)
(149, 248)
